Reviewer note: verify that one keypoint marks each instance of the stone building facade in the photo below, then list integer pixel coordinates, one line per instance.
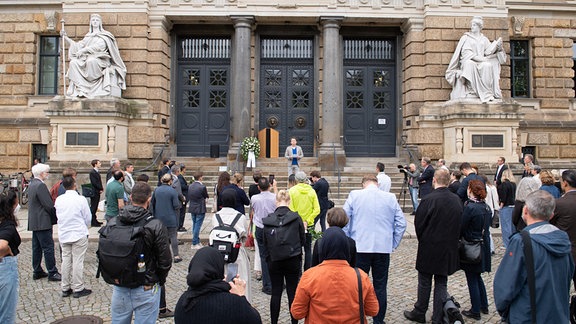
(345, 77)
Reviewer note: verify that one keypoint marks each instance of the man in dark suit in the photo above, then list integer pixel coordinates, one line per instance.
(437, 224)
(470, 174)
(97, 189)
(184, 185)
(565, 212)
(321, 187)
(501, 167)
(41, 218)
(425, 179)
(165, 169)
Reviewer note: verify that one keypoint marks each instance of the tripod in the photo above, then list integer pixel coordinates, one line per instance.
(403, 191)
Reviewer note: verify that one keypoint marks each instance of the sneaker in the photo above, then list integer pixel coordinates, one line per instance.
(67, 293)
(166, 313)
(182, 229)
(177, 259)
(82, 293)
(55, 277)
(197, 246)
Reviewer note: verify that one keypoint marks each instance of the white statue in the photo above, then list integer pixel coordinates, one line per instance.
(96, 68)
(474, 70)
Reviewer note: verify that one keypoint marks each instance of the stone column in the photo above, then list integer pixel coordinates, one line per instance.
(240, 85)
(332, 130)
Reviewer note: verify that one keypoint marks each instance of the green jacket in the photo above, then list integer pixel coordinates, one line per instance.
(304, 201)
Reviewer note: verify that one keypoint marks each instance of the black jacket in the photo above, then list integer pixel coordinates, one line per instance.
(437, 223)
(425, 181)
(156, 242)
(321, 187)
(218, 307)
(96, 181)
(293, 239)
(476, 217)
(498, 175)
(507, 193)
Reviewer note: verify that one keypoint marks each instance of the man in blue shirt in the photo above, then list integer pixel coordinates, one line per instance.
(293, 154)
(377, 224)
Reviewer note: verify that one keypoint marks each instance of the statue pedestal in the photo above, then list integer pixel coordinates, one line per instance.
(85, 129)
(473, 131)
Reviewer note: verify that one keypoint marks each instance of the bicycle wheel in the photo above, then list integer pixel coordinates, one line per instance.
(24, 197)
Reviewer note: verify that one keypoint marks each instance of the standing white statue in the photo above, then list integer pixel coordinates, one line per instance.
(96, 68)
(474, 70)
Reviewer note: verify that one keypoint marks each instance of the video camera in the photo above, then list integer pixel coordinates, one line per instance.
(403, 168)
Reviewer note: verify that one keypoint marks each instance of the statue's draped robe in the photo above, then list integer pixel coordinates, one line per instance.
(477, 79)
(94, 72)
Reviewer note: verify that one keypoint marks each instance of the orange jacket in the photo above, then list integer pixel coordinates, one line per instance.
(328, 293)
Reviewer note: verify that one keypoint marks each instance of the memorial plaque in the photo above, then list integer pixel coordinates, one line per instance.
(491, 141)
(81, 139)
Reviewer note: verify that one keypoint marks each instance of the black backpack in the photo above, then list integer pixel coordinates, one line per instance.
(226, 239)
(282, 236)
(119, 248)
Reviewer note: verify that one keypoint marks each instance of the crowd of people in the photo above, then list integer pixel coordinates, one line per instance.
(355, 241)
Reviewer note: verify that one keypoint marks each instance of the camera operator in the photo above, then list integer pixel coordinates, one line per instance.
(412, 172)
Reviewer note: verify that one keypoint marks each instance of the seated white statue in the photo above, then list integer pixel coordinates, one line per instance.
(96, 68)
(474, 70)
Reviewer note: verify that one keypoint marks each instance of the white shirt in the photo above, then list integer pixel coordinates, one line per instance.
(384, 182)
(73, 216)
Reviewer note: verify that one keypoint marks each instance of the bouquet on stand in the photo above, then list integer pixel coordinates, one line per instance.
(250, 149)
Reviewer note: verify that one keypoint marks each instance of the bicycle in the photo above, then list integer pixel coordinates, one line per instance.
(23, 188)
(5, 182)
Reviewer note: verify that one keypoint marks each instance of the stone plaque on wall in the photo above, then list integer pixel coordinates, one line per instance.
(487, 140)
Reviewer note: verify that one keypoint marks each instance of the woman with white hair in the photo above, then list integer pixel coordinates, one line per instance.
(526, 186)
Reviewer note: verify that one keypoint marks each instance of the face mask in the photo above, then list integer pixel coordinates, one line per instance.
(17, 209)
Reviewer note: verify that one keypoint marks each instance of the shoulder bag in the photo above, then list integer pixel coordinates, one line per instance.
(471, 251)
(360, 299)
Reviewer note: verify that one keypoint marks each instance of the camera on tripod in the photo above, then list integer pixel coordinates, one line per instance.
(403, 168)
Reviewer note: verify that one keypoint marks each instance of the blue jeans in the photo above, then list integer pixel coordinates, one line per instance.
(414, 196)
(477, 291)
(506, 224)
(9, 284)
(197, 220)
(379, 262)
(266, 281)
(145, 305)
(42, 243)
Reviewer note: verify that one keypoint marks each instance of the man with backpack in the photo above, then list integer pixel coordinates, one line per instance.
(134, 255)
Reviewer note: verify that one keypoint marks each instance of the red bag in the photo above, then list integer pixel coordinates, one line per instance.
(249, 241)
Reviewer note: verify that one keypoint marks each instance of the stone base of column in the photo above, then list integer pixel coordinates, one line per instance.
(331, 157)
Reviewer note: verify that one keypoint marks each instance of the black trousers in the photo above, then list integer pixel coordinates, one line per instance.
(440, 295)
(94, 200)
(288, 270)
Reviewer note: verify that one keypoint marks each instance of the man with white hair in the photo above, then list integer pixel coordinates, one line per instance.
(114, 166)
(41, 218)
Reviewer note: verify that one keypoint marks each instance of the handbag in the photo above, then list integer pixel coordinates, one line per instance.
(495, 219)
(470, 252)
(87, 190)
(330, 204)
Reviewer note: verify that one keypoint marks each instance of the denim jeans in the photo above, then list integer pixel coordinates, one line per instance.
(266, 283)
(477, 291)
(440, 294)
(197, 220)
(380, 263)
(144, 304)
(506, 224)
(43, 244)
(9, 284)
(414, 197)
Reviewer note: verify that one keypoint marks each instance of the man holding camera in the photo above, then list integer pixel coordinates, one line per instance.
(412, 173)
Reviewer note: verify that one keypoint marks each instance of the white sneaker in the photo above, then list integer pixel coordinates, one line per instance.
(197, 246)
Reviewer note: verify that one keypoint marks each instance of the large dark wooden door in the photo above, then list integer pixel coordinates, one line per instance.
(203, 97)
(287, 99)
(369, 99)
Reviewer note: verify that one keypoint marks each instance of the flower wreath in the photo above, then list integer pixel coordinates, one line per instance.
(249, 144)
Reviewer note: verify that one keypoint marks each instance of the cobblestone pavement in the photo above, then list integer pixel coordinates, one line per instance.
(40, 300)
